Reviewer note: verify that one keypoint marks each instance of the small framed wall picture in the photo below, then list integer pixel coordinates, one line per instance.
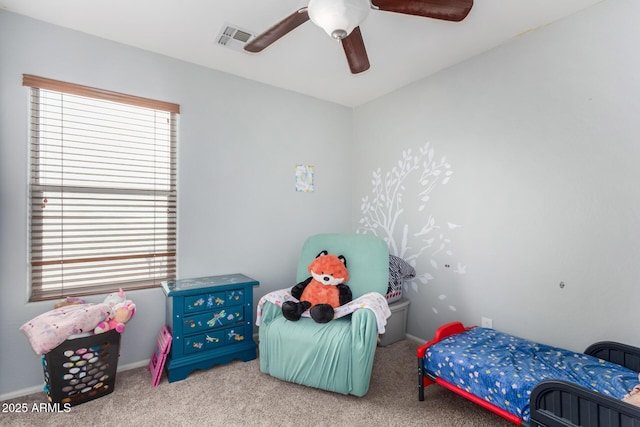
(304, 178)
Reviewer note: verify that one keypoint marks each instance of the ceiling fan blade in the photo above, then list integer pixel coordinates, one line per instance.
(449, 10)
(274, 33)
(353, 46)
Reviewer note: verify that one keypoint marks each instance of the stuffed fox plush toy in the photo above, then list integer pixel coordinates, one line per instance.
(322, 292)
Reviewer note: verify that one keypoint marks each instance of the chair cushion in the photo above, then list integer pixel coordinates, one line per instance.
(367, 259)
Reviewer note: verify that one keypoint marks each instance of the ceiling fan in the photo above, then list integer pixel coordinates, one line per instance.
(341, 19)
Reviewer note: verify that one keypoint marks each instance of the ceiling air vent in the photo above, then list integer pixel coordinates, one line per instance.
(233, 37)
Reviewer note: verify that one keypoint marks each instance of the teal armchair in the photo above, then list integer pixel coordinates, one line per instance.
(335, 356)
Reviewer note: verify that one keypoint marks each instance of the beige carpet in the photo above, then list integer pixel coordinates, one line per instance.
(238, 394)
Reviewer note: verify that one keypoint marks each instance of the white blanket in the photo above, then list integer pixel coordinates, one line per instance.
(372, 300)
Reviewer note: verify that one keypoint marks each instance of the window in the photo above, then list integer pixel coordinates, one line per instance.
(102, 190)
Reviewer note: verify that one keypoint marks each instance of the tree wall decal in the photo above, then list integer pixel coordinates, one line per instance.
(415, 177)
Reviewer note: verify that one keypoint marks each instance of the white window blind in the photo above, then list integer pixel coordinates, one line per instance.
(102, 190)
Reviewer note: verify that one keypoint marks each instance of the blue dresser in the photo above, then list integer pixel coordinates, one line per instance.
(211, 322)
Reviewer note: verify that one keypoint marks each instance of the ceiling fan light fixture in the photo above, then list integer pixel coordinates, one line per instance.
(338, 17)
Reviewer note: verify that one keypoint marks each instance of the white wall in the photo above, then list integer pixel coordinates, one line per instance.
(541, 135)
(239, 142)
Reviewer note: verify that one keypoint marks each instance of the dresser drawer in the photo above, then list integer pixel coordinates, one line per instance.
(214, 339)
(204, 342)
(212, 319)
(197, 303)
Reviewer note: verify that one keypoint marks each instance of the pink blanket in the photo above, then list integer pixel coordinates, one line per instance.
(50, 329)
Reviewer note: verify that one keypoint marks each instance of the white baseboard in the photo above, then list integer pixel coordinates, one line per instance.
(420, 341)
(40, 388)
(133, 365)
(23, 392)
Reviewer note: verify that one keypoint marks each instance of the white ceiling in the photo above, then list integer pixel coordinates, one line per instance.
(401, 48)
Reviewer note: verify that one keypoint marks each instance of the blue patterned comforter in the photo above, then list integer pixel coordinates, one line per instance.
(503, 369)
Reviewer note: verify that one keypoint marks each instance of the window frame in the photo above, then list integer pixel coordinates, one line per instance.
(38, 289)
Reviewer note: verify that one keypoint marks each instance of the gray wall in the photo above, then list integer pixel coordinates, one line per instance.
(239, 142)
(541, 136)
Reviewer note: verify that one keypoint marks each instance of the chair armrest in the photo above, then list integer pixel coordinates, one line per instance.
(270, 312)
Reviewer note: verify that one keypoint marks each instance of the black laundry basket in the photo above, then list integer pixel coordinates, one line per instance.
(82, 369)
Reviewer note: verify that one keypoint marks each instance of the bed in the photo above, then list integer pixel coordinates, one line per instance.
(533, 384)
